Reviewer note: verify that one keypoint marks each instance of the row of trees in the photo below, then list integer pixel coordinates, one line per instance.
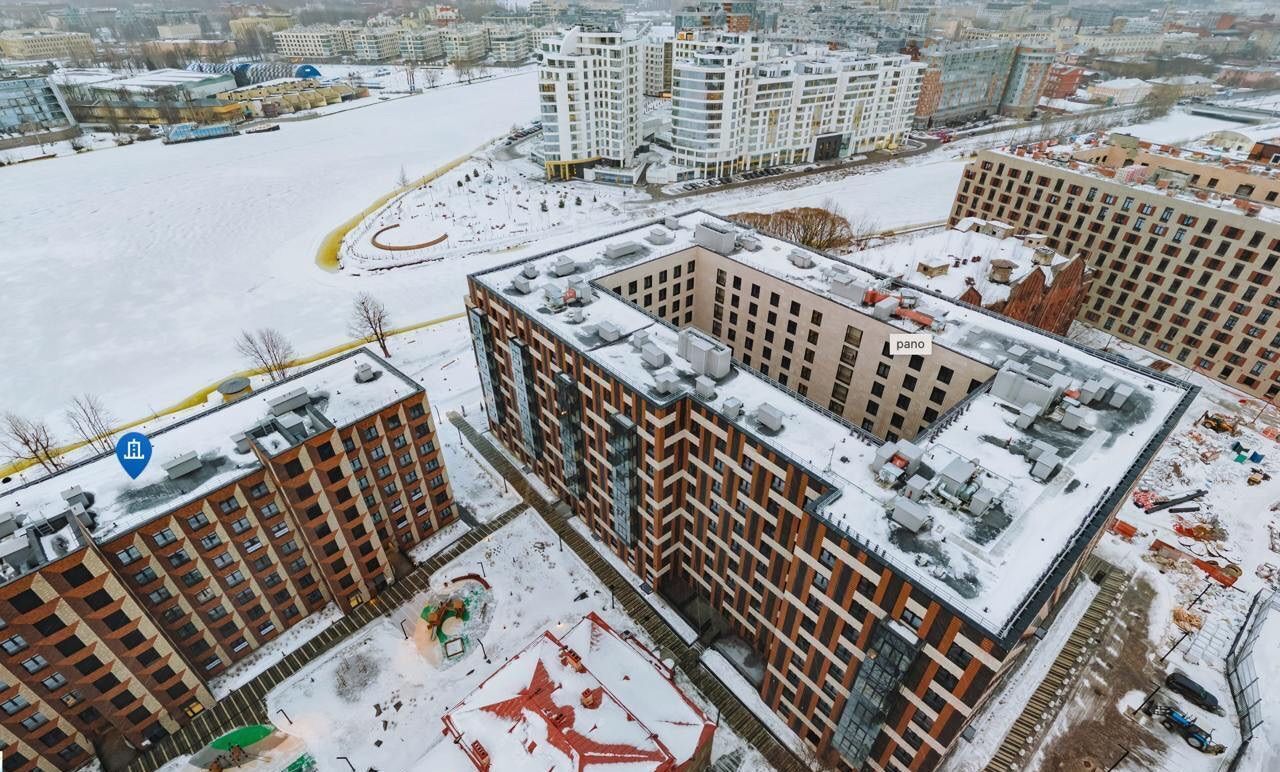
(34, 441)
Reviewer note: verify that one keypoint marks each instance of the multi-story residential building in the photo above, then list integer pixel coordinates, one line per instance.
(1120, 91)
(729, 15)
(176, 53)
(319, 41)
(739, 105)
(123, 598)
(1063, 81)
(1183, 249)
(421, 45)
(464, 42)
(590, 85)
(1108, 43)
(46, 45)
(509, 44)
(32, 110)
(885, 532)
(1027, 75)
(658, 52)
(376, 44)
(974, 79)
(256, 33)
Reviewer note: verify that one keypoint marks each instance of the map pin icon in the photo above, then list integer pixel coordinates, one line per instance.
(134, 451)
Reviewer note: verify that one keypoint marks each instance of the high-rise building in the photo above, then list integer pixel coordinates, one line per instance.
(121, 599)
(730, 15)
(318, 41)
(421, 45)
(1025, 82)
(975, 78)
(885, 531)
(658, 49)
(464, 42)
(739, 104)
(509, 44)
(590, 85)
(1183, 250)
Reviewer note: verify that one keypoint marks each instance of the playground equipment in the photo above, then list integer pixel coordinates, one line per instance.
(1219, 423)
(441, 634)
(1180, 723)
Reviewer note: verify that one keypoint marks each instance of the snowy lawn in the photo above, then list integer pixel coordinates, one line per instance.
(250, 667)
(378, 701)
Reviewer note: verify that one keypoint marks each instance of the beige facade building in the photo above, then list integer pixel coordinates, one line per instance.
(46, 44)
(1184, 246)
(464, 42)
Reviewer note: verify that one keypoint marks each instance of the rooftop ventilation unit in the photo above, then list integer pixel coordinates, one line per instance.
(522, 284)
(769, 417)
(639, 338)
(671, 222)
(800, 259)
(563, 266)
(289, 401)
(749, 243)
(553, 295)
(182, 465)
(910, 515)
(8, 524)
(705, 356)
(884, 309)
(574, 315)
(530, 271)
(365, 373)
(608, 331)
(241, 440)
(652, 355)
(717, 237)
(621, 250)
(659, 236)
(75, 495)
(579, 291)
(704, 387)
(732, 408)
(667, 381)
(843, 285)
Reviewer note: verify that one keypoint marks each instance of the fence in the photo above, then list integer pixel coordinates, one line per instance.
(1242, 674)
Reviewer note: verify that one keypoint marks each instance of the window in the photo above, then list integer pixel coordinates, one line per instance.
(14, 644)
(15, 705)
(198, 521)
(164, 537)
(258, 491)
(127, 556)
(240, 526)
(229, 505)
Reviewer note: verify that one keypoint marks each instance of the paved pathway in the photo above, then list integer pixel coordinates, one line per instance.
(733, 712)
(247, 705)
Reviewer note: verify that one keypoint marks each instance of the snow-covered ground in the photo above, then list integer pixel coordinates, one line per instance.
(1177, 127)
(129, 271)
(378, 701)
(250, 667)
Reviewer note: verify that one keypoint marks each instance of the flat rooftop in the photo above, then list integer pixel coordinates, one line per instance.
(992, 566)
(215, 450)
(592, 700)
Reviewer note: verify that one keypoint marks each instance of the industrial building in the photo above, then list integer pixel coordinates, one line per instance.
(885, 532)
(122, 599)
(1183, 244)
(32, 111)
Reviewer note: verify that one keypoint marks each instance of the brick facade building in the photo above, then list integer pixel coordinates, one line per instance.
(122, 600)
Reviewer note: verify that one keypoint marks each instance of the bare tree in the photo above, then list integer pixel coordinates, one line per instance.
(431, 76)
(402, 180)
(822, 228)
(267, 350)
(91, 421)
(369, 320)
(27, 440)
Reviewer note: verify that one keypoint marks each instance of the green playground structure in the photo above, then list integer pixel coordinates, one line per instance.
(460, 607)
(244, 737)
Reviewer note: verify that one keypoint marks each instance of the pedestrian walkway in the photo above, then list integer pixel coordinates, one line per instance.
(247, 705)
(745, 723)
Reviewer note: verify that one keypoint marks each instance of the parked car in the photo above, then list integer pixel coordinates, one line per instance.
(1197, 694)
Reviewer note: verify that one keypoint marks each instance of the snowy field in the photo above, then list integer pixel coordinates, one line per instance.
(377, 700)
(131, 269)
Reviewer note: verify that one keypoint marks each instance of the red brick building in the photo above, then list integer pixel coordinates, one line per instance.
(1063, 81)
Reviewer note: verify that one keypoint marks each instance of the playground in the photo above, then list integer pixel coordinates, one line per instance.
(253, 748)
(453, 620)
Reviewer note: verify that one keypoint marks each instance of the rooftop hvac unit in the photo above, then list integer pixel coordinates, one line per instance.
(289, 401)
(365, 373)
(182, 465)
(522, 284)
(579, 291)
(608, 331)
(621, 250)
(704, 387)
(574, 315)
(671, 222)
(769, 417)
(666, 381)
(639, 338)
(910, 515)
(885, 308)
(652, 355)
(75, 495)
(843, 285)
(909, 300)
(530, 271)
(8, 524)
(563, 266)
(800, 259)
(659, 236)
(732, 408)
(749, 243)
(716, 237)
(1046, 467)
(705, 356)
(241, 440)
(1120, 394)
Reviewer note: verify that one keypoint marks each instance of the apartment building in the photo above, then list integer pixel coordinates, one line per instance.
(1110, 43)
(590, 87)
(33, 110)
(738, 104)
(509, 44)
(973, 79)
(319, 41)
(658, 53)
(1183, 246)
(464, 42)
(256, 33)
(1062, 81)
(376, 44)
(421, 45)
(122, 600)
(46, 45)
(724, 413)
(729, 15)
